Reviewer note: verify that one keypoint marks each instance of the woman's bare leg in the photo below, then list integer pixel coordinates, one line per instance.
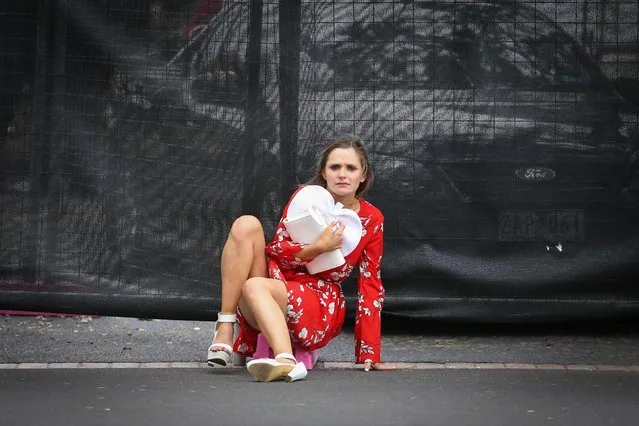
(243, 257)
(263, 304)
(262, 301)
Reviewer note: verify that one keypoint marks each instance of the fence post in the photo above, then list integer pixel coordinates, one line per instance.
(253, 54)
(32, 253)
(290, 15)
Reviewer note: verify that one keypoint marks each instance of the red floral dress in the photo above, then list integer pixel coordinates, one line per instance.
(316, 304)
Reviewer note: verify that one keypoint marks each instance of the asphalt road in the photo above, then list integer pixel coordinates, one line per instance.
(200, 396)
(126, 371)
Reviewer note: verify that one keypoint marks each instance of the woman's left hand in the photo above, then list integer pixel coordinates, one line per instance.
(368, 365)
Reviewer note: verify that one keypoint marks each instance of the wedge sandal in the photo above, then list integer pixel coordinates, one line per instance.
(220, 354)
(268, 369)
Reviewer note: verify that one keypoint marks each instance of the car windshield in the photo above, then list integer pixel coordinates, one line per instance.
(451, 51)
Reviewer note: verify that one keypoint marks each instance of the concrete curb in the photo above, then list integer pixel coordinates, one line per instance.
(326, 365)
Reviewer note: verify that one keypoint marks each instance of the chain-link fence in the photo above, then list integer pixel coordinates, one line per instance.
(503, 134)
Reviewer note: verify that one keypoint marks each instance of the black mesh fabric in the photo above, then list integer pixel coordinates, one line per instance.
(503, 135)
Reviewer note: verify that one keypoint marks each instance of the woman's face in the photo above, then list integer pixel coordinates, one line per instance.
(343, 173)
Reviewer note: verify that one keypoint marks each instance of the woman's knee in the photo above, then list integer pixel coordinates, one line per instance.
(258, 289)
(245, 227)
(254, 288)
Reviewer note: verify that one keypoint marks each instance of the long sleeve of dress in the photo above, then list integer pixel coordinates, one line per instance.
(283, 249)
(370, 298)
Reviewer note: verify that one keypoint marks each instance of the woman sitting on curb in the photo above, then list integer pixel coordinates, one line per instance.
(277, 296)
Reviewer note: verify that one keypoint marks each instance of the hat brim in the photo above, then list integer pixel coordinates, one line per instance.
(315, 196)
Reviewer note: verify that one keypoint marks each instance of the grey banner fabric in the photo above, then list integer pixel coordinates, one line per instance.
(504, 137)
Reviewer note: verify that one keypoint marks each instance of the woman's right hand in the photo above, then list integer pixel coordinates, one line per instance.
(332, 237)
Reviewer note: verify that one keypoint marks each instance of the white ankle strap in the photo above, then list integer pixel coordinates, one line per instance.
(226, 317)
(286, 355)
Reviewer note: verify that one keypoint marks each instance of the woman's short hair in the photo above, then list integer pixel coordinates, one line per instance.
(345, 142)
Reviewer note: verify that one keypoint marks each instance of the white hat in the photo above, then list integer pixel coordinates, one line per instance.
(317, 197)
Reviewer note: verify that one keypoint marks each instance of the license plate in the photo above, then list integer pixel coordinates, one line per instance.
(549, 225)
